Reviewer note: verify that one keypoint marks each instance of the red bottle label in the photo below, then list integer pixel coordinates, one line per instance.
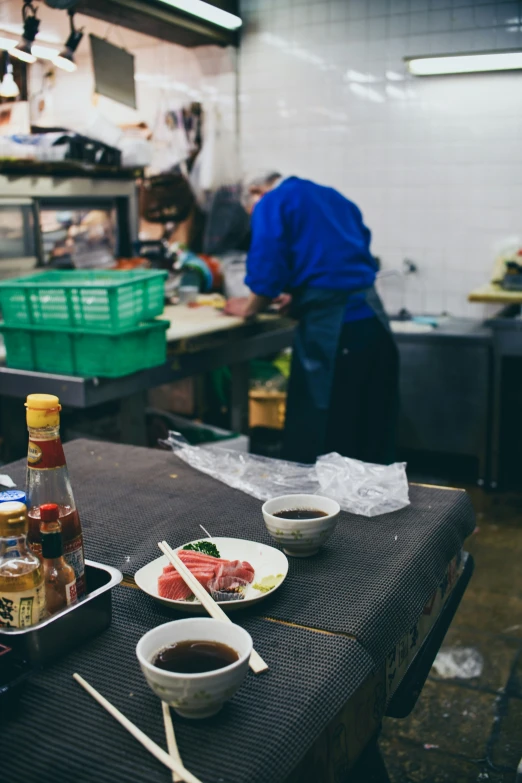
(70, 593)
(73, 553)
(45, 454)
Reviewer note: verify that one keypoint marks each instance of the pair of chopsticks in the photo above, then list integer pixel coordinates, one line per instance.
(172, 745)
(256, 663)
(172, 761)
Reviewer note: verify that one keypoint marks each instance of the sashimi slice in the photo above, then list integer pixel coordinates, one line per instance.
(232, 576)
(191, 559)
(224, 583)
(169, 569)
(187, 554)
(172, 585)
(238, 569)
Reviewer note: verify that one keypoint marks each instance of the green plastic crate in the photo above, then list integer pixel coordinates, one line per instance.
(74, 352)
(88, 300)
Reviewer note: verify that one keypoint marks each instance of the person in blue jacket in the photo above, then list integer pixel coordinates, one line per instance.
(310, 241)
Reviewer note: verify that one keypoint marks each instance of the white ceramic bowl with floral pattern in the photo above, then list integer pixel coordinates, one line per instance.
(301, 537)
(195, 695)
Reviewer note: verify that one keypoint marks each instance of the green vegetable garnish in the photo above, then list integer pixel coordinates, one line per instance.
(207, 547)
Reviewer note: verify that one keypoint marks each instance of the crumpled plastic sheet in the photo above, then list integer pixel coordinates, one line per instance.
(359, 487)
(461, 663)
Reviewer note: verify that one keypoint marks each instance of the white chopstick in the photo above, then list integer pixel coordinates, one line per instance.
(138, 734)
(172, 745)
(256, 663)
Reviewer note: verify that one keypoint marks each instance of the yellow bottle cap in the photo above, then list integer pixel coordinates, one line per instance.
(13, 519)
(43, 410)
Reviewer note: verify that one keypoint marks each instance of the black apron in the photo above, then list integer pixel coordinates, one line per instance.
(320, 313)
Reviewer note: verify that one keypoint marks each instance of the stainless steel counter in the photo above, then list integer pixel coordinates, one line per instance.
(445, 390)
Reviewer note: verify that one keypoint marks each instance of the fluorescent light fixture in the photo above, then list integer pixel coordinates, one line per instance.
(207, 12)
(479, 62)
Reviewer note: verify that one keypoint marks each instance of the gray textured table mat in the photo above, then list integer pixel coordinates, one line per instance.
(61, 734)
(371, 580)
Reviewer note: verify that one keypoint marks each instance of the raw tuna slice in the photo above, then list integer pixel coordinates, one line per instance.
(171, 585)
(239, 570)
(195, 559)
(189, 554)
(232, 576)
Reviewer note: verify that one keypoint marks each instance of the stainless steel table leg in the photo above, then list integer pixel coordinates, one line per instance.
(239, 397)
(496, 407)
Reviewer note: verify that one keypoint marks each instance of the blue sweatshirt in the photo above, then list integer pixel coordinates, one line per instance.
(305, 234)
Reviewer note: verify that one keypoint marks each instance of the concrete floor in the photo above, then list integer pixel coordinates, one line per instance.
(474, 727)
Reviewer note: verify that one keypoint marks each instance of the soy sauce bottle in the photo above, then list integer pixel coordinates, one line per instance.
(48, 482)
(22, 595)
(59, 577)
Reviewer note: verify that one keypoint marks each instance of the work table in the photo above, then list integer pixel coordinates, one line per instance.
(447, 328)
(349, 636)
(199, 339)
(493, 293)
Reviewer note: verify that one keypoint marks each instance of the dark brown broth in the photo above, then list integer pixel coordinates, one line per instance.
(300, 513)
(195, 657)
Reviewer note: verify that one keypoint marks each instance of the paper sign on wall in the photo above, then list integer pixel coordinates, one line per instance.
(113, 71)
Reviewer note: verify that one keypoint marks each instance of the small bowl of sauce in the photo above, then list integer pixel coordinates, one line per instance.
(195, 657)
(300, 513)
(196, 664)
(301, 524)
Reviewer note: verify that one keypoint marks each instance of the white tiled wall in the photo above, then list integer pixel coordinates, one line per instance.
(435, 164)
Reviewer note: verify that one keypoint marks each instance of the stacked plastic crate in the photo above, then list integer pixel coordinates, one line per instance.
(84, 323)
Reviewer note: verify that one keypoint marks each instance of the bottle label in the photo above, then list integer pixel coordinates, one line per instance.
(73, 554)
(45, 454)
(19, 610)
(70, 593)
(34, 453)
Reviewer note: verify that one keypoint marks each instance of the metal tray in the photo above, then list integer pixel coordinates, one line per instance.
(57, 635)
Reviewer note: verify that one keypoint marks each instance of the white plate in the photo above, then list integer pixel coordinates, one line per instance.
(265, 560)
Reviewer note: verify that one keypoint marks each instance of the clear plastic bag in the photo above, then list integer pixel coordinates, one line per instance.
(463, 663)
(359, 487)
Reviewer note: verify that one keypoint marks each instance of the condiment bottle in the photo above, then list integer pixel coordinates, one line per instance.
(13, 495)
(48, 481)
(59, 578)
(22, 593)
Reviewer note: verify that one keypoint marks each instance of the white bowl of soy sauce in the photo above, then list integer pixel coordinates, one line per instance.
(195, 665)
(301, 524)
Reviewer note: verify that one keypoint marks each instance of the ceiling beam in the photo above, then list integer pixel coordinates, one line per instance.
(159, 21)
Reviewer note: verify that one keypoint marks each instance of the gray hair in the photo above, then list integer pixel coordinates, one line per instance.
(265, 178)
